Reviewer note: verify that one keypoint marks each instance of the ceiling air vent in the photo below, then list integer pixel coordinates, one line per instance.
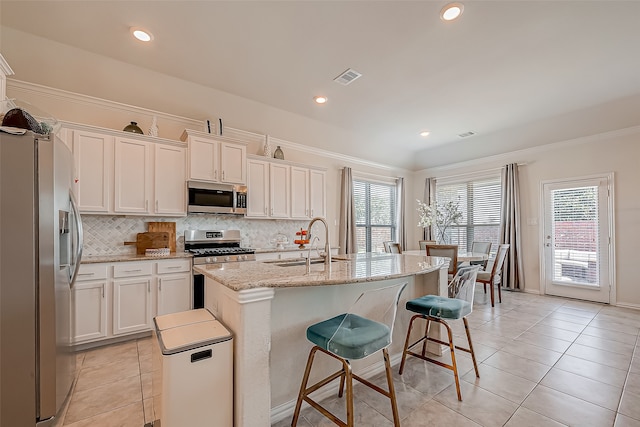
(347, 77)
(466, 134)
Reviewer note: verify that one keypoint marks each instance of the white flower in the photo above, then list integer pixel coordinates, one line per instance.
(441, 216)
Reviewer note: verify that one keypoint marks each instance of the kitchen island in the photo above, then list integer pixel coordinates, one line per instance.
(269, 305)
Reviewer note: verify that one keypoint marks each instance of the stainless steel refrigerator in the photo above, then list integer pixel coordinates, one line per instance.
(40, 251)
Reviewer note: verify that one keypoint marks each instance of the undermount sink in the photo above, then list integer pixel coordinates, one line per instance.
(296, 262)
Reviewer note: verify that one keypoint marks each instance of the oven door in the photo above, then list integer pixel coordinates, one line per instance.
(208, 197)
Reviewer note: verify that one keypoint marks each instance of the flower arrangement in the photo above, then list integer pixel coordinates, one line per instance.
(440, 216)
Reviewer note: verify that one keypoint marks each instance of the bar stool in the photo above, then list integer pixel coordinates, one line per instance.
(364, 330)
(438, 309)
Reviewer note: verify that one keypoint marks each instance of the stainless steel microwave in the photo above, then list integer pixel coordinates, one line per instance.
(209, 197)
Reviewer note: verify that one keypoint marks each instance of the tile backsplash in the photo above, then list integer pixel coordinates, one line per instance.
(105, 235)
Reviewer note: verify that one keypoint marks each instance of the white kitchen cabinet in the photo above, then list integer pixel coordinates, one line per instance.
(170, 189)
(89, 302)
(131, 305)
(174, 286)
(132, 173)
(93, 156)
(257, 189)
(215, 160)
(299, 192)
(317, 193)
(279, 186)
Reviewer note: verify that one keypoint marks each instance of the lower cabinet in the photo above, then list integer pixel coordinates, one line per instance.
(116, 299)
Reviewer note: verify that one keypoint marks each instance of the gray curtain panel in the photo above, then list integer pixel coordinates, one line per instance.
(510, 229)
(428, 198)
(347, 230)
(402, 230)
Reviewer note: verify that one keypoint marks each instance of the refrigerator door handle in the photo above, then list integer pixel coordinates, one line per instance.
(79, 236)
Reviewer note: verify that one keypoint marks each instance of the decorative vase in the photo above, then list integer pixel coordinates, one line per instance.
(267, 147)
(133, 127)
(153, 129)
(278, 154)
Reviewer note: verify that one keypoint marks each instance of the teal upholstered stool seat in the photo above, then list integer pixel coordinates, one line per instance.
(364, 330)
(437, 306)
(353, 338)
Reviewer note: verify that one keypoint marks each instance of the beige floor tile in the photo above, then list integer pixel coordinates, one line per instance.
(146, 363)
(633, 383)
(302, 422)
(95, 376)
(427, 378)
(149, 414)
(532, 352)
(605, 344)
(635, 362)
(147, 385)
(584, 388)
(631, 321)
(126, 416)
(544, 341)
(89, 403)
(610, 335)
(561, 324)
(567, 409)
(578, 312)
(584, 321)
(121, 352)
(527, 418)
(624, 421)
(435, 414)
(583, 305)
(364, 415)
(479, 405)
(615, 360)
(557, 333)
(516, 365)
(145, 345)
(593, 370)
(502, 383)
(630, 405)
(614, 325)
(488, 339)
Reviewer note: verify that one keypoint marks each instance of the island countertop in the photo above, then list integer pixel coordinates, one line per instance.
(352, 268)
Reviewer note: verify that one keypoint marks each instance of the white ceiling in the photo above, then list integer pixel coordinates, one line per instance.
(502, 65)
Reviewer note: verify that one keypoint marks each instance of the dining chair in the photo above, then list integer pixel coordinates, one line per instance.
(481, 248)
(434, 308)
(423, 243)
(494, 276)
(363, 331)
(448, 251)
(392, 247)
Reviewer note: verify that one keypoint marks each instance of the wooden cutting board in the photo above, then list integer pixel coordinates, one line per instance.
(169, 227)
(150, 240)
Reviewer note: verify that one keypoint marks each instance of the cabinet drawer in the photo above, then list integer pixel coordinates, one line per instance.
(174, 266)
(131, 269)
(92, 272)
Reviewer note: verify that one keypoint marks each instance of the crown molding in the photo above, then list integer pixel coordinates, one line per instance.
(508, 156)
(4, 67)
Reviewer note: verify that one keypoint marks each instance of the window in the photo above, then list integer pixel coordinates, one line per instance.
(375, 205)
(479, 201)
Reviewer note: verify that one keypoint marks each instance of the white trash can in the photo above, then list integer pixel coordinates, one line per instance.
(192, 371)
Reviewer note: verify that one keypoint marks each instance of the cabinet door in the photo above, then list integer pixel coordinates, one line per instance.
(174, 293)
(279, 184)
(131, 305)
(233, 161)
(132, 176)
(92, 153)
(299, 192)
(203, 159)
(90, 311)
(257, 189)
(170, 186)
(317, 193)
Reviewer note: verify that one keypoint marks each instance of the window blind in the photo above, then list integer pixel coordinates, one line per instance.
(375, 205)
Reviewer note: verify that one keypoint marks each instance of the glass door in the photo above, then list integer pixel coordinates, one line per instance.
(577, 239)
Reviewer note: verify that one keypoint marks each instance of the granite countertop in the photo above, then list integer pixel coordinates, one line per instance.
(131, 257)
(289, 248)
(353, 268)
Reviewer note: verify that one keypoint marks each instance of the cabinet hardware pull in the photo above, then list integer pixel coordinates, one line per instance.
(159, 284)
(149, 287)
(156, 206)
(174, 266)
(86, 274)
(146, 205)
(131, 271)
(223, 175)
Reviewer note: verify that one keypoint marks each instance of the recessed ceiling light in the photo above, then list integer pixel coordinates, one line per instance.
(451, 11)
(425, 133)
(142, 35)
(320, 99)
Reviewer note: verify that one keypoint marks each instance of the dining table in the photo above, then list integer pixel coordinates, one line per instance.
(462, 256)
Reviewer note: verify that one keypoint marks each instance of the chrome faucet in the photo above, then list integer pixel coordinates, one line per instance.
(327, 246)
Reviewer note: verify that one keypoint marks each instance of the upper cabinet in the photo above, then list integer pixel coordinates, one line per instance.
(132, 175)
(214, 159)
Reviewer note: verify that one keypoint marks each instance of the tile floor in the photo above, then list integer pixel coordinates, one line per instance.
(543, 361)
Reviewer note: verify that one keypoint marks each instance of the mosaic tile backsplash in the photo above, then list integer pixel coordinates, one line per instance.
(105, 235)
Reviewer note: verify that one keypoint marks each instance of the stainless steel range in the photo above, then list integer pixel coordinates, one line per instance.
(212, 247)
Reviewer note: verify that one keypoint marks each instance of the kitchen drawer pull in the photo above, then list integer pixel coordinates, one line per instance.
(174, 266)
(133, 271)
(86, 274)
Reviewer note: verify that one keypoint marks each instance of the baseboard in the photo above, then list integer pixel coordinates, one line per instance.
(532, 291)
(627, 305)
